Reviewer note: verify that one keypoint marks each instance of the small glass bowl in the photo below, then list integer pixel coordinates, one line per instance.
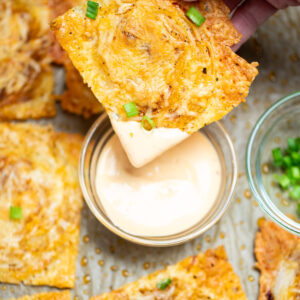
(279, 122)
(101, 131)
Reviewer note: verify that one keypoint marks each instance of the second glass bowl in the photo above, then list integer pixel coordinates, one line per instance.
(279, 122)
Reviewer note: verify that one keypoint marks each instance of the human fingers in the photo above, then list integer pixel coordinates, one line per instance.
(250, 15)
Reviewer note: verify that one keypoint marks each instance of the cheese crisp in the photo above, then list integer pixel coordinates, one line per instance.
(26, 79)
(278, 258)
(65, 295)
(78, 97)
(150, 53)
(38, 174)
(207, 275)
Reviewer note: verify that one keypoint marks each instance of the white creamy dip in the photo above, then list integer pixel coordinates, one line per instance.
(168, 195)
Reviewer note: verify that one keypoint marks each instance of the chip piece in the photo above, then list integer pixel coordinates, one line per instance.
(26, 80)
(64, 295)
(278, 258)
(207, 275)
(150, 53)
(78, 97)
(38, 172)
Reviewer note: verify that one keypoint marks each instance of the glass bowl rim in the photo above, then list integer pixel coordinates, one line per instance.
(144, 241)
(274, 214)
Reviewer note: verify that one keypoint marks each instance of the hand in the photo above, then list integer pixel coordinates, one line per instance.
(252, 13)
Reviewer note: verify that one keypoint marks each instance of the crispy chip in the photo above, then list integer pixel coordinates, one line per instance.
(147, 51)
(26, 80)
(207, 275)
(278, 258)
(78, 97)
(64, 295)
(38, 172)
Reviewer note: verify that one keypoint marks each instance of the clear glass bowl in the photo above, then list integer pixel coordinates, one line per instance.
(280, 121)
(99, 134)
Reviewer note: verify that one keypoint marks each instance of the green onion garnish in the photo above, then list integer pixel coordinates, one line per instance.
(148, 123)
(287, 161)
(277, 156)
(164, 283)
(299, 208)
(292, 145)
(92, 9)
(295, 192)
(283, 180)
(131, 109)
(15, 212)
(195, 16)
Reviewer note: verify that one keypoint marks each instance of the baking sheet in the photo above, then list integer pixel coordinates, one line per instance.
(106, 262)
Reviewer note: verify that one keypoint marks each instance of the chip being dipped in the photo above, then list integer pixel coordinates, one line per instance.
(179, 75)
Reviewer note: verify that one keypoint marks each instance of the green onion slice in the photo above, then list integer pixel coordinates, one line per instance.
(195, 16)
(147, 120)
(277, 156)
(295, 192)
(92, 9)
(15, 212)
(131, 109)
(164, 283)
(299, 208)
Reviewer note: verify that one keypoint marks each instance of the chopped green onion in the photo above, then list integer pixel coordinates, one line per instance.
(147, 120)
(295, 192)
(92, 9)
(298, 142)
(295, 158)
(299, 208)
(287, 161)
(195, 16)
(15, 212)
(292, 145)
(295, 172)
(277, 156)
(283, 180)
(164, 283)
(131, 109)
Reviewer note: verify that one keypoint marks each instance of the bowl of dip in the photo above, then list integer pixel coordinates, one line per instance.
(277, 124)
(172, 199)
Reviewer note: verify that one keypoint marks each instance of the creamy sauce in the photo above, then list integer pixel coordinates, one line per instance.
(168, 195)
(142, 146)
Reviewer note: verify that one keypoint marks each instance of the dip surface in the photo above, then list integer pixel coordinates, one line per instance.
(166, 196)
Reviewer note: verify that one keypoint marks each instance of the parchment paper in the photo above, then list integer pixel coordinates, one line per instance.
(109, 262)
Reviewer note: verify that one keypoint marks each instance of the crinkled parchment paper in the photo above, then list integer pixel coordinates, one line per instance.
(106, 262)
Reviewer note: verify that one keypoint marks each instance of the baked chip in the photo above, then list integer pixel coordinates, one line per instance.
(207, 275)
(150, 53)
(64, 295)
(78, 97)
(278, 259)
(26, 79)
(38, 172)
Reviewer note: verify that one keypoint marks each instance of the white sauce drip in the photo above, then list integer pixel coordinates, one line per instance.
(170, 194)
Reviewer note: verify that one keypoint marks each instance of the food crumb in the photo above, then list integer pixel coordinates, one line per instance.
(243, 247)
(114, 268)
(97, 250)
(208, 239)
(222, 235)
(250, 278)
(86, 239)
(238, 200)
(112, 249)
(83, 261)
(265, 168)
(260, 221)
(198, 247)
(285, 202)
(101, 262)
(146, 265)
(125, 273)
(277, 140)
(247, 194)
(86, 279)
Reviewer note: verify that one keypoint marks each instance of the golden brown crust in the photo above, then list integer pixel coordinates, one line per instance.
(26, 80)
(275, 248)
(38, 171)
(207, 275)
(78, 97)
(64, 295)
(182, 75)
